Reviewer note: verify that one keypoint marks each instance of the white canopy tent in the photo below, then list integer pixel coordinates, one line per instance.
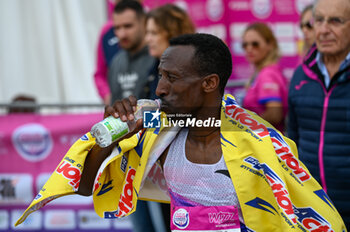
(48, 49)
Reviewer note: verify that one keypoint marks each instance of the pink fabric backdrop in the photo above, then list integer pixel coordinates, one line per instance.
(31, 146)
(228, 18)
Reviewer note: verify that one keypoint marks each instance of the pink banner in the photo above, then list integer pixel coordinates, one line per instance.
(31, 146)
(227, 19)
(31, 141)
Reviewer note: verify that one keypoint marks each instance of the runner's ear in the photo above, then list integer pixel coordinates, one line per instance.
(210, 83)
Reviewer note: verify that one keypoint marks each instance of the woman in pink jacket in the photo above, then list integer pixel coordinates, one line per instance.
(267, 88)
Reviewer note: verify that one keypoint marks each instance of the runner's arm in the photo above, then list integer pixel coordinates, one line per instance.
(123, 109)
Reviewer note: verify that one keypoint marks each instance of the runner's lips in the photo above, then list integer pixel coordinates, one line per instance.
(164, 106)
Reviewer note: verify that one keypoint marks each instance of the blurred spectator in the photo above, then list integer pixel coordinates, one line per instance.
(319, 101)
(128, 75)
(107, 47)
(307, 28)
(130, 67)
(162, 24)
(23, 104)
(267, 88)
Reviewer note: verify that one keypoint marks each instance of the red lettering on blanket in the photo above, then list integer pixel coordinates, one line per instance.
(71, 173)
(282, 200)
(282, 196)
(285, 154)
(245, 119)
(97, 184)
(125, 202)
(314, 226)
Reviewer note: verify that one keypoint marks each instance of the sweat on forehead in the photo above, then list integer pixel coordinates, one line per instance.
(179, 55)
(178, 50)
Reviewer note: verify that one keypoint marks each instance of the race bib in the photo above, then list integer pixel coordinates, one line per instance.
(205, 218)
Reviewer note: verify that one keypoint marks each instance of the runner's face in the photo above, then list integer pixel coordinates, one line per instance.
(180, 86)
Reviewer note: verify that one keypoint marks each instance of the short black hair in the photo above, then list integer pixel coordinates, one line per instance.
(212, 56)
(132, 5)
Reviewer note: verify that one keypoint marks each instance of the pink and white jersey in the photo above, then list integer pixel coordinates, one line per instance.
(202, 195)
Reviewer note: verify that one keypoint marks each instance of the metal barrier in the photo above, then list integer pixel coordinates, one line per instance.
(54, 108)
(54, 105)
(76, 107)
(236, 83)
